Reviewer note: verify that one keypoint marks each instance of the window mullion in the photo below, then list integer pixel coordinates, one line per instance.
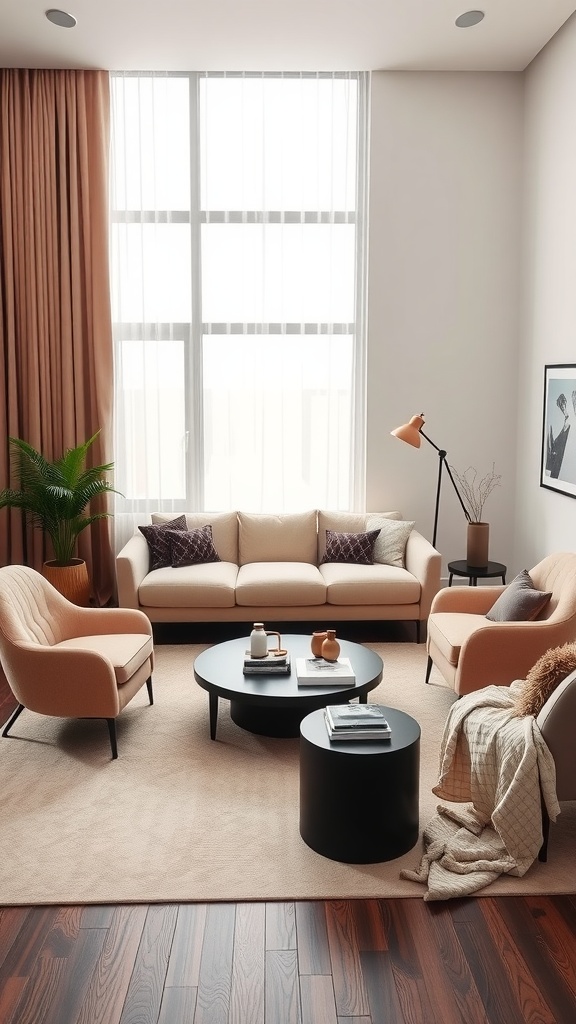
(194, 382)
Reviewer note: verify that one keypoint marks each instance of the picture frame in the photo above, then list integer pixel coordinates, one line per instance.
(558, 464)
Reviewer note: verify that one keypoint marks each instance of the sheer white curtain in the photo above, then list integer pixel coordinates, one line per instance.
(238, 255)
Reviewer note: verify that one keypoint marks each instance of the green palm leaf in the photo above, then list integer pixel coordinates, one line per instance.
(54, 495)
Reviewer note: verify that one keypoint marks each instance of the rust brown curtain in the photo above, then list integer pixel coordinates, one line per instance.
(56, 386)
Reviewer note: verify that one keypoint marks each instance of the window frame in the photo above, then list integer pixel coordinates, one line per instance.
(193, 333)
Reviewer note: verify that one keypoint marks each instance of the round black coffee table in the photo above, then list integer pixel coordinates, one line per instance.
(274, 705)
(359, 798)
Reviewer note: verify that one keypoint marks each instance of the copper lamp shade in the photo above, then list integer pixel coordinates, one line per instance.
(410, 432)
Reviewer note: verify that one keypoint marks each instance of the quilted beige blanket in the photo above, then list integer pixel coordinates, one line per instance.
(495, 765)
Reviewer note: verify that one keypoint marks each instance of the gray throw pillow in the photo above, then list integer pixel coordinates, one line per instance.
(159, 543)
(520, 602)
(390, 546)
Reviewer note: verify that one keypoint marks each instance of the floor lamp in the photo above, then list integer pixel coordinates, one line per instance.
(411, 433)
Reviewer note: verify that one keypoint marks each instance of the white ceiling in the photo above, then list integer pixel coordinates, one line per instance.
(279, 35)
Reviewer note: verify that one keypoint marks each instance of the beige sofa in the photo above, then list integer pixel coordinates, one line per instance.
(271, 569)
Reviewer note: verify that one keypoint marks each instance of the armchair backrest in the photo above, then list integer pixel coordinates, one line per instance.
(557, 573)
(32, 611)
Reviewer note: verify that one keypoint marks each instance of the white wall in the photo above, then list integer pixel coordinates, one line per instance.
(444, 250)
(546, 520)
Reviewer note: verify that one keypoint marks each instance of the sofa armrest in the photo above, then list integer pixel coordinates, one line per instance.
(504, 651)
(423, 561)
(473, 600)
(65, 682)
(132, 564)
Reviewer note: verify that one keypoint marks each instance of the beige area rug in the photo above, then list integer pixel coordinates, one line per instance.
(179, 817)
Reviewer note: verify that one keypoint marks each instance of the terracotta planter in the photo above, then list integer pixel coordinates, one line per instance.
(477, 540)
(70, 580)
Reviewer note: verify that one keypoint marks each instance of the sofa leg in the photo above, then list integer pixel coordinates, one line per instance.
(12, 719)
(417, 631)
(428, 669)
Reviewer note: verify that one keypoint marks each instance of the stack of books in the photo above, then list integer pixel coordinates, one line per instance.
(270, 664)
(356, 722)
(319, 672)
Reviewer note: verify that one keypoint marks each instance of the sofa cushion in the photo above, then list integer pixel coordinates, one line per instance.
(355, 548)
(280, 583)
(520, 602)
(390, 545)
(224, 530)
(289, 537)
(195, 586)
(192, 547)
(158, 540)
(369, 584)
(344, 522)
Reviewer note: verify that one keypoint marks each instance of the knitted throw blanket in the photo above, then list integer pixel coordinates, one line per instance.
(496, 765)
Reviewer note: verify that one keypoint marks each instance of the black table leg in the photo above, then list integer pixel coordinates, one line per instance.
(213, 705)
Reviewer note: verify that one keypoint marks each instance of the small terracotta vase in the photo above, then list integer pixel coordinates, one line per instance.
(330, 647)
(316, 643)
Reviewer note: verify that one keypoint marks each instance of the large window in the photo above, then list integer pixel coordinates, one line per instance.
(238, 290)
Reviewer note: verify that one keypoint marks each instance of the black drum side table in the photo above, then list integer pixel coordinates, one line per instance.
(475, 573)
(359, 799)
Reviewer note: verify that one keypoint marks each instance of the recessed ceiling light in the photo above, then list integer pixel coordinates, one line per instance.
(61, 18)
(469, 19)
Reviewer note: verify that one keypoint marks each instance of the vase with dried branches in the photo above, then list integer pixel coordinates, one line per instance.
(475, 491)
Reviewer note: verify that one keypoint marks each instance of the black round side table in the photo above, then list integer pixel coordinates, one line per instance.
(475, 573)
(359, 798)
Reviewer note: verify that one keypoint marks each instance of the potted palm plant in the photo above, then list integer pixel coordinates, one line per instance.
(53, 497)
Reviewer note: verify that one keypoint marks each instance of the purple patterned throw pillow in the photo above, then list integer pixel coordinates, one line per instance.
(357, 548)
(159, 543)
(193, 547)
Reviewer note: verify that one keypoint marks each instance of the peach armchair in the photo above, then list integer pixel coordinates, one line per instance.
(66, 661)
(471, 651)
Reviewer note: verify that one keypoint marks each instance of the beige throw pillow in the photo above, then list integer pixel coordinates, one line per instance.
(390, 546)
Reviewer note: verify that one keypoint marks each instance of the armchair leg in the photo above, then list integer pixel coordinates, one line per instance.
(112, 731)
(543, 854)
(417, 631)
(149, 688)
(12, 719)
(428, 669)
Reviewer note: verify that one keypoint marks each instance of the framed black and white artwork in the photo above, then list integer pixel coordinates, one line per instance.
(558, 470)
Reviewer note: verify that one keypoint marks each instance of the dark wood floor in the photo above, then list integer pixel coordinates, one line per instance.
(479, 961)
(475, 961)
